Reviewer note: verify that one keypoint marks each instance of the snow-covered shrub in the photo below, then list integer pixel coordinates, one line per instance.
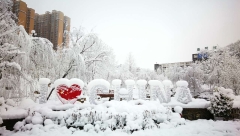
(221, 102)
(126, 116)
(183, 94)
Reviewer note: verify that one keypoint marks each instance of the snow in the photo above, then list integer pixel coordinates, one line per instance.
(65, 81)
(1, 101)
(123, 91)
(195, 103)
(142, 82)
(44, 81)
(154, 82)
(168, 83)
(48, 122)
(96, 82)
(236, 102)
(76, 81)
(13, 113)
(1, 121)
(27, 103)
(116, 82)
(191, 128)
(178, 109)
(129, 82)
(62, 107)
(61, 81)
(37, 119)
(182, 83)
(10, 102)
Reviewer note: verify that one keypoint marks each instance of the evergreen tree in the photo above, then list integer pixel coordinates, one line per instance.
(221, 103)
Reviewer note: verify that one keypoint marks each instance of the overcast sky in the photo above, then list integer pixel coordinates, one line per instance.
(162, 31)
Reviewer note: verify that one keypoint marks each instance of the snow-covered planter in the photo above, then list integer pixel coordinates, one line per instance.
(183, 94)
(97, 86)
(221, 102)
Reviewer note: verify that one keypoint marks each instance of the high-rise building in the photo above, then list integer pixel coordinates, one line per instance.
(25, 15)
(52, 26)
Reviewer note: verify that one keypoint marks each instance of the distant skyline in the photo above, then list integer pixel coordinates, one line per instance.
(162, 31)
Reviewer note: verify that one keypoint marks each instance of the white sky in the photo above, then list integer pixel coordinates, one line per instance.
(162, 31)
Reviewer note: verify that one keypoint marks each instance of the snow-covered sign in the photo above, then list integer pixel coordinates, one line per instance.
(183, 94)
(97, 86)
(157, 91)
(142, 89)
(68, 90)
(116, 85)
(43, 89)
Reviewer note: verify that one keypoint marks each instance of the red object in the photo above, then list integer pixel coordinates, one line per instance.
(69, 93)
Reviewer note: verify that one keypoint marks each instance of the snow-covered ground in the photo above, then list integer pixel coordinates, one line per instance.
(192, 128)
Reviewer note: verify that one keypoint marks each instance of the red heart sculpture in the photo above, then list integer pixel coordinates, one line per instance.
(68, 94)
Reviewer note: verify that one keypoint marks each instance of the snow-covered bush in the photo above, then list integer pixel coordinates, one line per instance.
(183, 94)
(221, 102)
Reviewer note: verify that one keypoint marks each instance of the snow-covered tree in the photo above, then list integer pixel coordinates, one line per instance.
(174, 73)
(87, 57)
(14, 50)
(194, 75)
(222, 69)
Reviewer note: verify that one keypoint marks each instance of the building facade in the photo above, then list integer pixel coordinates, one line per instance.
(52, 25)
(25, 15)
(162, 67)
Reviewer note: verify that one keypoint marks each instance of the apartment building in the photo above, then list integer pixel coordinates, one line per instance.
(52, 25)
(25, 15)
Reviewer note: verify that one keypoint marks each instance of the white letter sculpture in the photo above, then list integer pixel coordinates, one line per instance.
(43, 89)
(183, 94)
(167, 87)
(157, 91)
(97, 86)
(116, 85)
(130, 84)
(142, 89)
